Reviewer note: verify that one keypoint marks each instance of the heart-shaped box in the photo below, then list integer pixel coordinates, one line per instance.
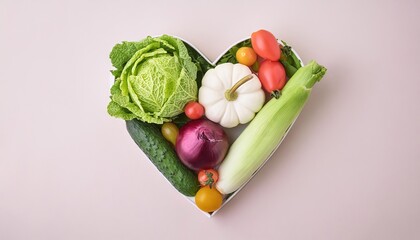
(232, 133)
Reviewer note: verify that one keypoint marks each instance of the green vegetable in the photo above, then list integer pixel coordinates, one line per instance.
(200, 62)
(155, 78)
(289, 60)
(161, 153)
(181, 120)
(265, 132)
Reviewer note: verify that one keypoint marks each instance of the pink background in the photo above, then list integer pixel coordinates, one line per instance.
(349, 169)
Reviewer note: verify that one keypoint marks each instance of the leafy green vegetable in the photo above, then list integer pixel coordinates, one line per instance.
(230, 56)
(289, 60)
(181, 120)
(155, 78)
(200, 62)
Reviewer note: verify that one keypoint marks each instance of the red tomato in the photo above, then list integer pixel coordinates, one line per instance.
(265, 45)
(194, 110)
(208, 177)
(272, 76)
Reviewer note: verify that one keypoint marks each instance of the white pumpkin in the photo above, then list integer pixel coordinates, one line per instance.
(226, 103)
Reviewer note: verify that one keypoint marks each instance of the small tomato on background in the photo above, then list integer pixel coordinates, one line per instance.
(272, 76)
(265, 45)
(208, 199)
(246, 56)
(208, 177)
(194, 110)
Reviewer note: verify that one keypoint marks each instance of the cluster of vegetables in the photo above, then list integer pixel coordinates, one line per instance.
(176, 106)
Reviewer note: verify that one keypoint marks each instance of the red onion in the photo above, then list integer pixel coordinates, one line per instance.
(201, 144)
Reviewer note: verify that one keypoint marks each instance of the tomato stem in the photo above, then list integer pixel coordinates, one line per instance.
(276, 94)
(231, 94)
(210, 179)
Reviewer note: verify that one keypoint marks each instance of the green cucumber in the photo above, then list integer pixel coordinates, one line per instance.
(150, 140)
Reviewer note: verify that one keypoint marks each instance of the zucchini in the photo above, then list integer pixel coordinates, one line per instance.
(150, 140)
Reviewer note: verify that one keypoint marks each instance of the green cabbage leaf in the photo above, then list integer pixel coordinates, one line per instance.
(154, 79)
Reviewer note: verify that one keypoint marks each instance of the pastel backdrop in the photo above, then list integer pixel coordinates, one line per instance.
(349, 169)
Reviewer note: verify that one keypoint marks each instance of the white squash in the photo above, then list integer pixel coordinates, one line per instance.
(231, 94)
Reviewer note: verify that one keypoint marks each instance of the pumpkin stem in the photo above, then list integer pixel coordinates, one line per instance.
(231, 94)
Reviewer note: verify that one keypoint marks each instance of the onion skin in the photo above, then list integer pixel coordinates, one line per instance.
(201, 144)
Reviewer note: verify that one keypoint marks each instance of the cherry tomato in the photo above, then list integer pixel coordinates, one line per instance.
(265, 45)
(272, 76)
(194, 110)
(208, 199)
(246, 56)
(208, 177)
(170, 132)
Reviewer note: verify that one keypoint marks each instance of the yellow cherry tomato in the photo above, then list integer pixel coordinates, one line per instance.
(208, 199)
(246, 56)
(170, 132)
